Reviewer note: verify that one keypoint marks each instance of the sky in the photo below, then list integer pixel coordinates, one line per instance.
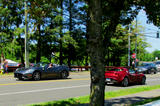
(150, 30)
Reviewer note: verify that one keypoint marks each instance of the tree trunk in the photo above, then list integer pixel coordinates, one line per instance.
(21, 51)
(22, 46)
(70, 49)
(70, 30)
(108, 57)
(96, 52)
(87, 37)
(38, 57)
(61, 35)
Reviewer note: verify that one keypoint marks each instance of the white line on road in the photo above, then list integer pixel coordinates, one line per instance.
(149, 80)
(41, 90)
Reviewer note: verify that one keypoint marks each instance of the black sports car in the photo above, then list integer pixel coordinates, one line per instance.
(42, 70)
(147, 68)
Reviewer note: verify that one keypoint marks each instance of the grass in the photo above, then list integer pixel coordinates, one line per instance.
(7, 74)
(85, 99)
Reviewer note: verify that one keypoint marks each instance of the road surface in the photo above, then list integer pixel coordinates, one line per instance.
(14, 93)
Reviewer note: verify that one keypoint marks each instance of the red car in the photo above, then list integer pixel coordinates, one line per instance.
(124, 76)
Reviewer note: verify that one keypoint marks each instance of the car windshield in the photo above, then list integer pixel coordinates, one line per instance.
(131, 71)
(40, 64)
(146, 64)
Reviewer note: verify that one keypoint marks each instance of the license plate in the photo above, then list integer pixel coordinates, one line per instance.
(108, 79)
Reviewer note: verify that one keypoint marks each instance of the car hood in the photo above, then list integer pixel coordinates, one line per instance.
(23, 69)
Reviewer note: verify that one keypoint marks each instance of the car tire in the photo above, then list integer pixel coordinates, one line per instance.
(125, 82)
(64, 75)
(143, 81)
(36, 76)
(20, 79)
(106, 83)
(149, 72)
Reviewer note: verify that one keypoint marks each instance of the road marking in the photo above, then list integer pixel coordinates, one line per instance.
(43, 81)
(149, 80)
(42, 90)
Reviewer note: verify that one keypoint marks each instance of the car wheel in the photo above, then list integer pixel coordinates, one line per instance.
(125, 82)
(20, 79)
(106, 83)
(149, 72)
(143, 81)
(63, 74)
(36, 76)
(155, 71)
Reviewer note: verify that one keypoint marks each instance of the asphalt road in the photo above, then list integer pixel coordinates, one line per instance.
(17, 93)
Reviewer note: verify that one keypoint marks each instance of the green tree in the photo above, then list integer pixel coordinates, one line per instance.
(11, 18)
(40, 13)
(115, 12)
(156, 53)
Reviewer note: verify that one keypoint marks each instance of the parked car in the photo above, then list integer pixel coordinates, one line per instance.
(124, 76)
(41, 70)
(147, 68)
(158, 65)
(13, 66)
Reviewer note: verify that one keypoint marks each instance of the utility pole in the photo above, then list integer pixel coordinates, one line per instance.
(26, 37)
(129, 47)
(158, 32)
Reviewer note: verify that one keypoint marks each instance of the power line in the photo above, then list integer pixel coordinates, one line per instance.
(153, 29)
(151, 36)
(149, 33)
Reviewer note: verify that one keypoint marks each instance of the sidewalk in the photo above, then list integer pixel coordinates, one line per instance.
(132, 98)
(127, 100)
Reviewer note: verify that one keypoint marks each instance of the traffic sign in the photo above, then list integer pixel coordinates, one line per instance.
(134, 55)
